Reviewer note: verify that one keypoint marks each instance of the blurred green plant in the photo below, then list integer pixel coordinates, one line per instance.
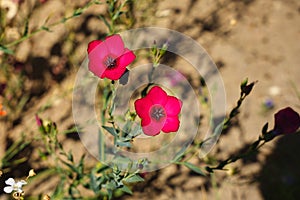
(9, 160)
(27, 33)
(102, 179)
(107, 181)
(14, 95)
(118, 13)
(17, 92)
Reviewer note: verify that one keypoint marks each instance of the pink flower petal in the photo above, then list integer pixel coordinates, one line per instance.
(112, 47)
(109, 36)
(115, 44)
(171, 125)
(145, 121)
(163, 109)
(93, 44)
(97, 68)
(99, 52)
(114, 74)
(153, 128)
(125, 59)
(157, 96)
(173, 106)
(96, 59)
(142, 107)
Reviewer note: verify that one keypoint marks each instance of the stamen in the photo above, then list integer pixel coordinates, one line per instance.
(110, 62)
(157, 112)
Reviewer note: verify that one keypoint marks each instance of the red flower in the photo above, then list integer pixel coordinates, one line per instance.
(109, 58)
(158, 111)
(286, 121)
(2, 112)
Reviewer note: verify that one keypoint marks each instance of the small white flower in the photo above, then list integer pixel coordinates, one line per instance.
(14, 186)
(11, 7)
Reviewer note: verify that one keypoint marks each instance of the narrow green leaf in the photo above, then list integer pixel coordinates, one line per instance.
(179, 154)
(254, 146)
(110, 194)
(101, 144)
(127, 128)
(102, 168)
(25, 32)
(77, 12)
(218, 129)
(111, 186)
(265, 128)
(70, 156)
(244, 82)
(105, 22)
(123, 143)
(117, 15)
(45, 28)
(133, 179)
(194, 168)
(121, 162)
(137, 130)
(97, 2)
(81, 166)
(111, 130)
(59, 190)
(6, 50)
(94, 184)
(126, 189)
(74, 169)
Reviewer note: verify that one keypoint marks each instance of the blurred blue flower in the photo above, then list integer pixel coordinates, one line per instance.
(269, 104)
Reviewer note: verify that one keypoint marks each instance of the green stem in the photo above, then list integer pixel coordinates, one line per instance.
(44, 28)
(252, 149)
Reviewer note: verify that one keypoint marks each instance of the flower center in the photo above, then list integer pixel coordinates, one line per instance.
(15, 187)
(110, 62)
(157, 112)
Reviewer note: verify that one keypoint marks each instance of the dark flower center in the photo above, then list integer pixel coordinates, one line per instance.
(157, 112)
(110, 62)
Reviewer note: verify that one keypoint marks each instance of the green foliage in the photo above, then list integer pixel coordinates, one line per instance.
(27, 33)
(194, 168)
(6, 50)
(9, 158)
(158, 52)
(115, 13)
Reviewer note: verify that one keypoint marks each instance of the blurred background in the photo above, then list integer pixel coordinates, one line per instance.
(43, 44)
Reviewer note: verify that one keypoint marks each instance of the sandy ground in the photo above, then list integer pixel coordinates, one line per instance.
(245, 38)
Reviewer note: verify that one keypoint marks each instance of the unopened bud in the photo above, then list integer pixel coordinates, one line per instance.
(31, 173)
(246, 89)
(46, 197)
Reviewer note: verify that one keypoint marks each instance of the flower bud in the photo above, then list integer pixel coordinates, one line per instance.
(286, 121)
(31, 173)
(38, 120)
(247, 88)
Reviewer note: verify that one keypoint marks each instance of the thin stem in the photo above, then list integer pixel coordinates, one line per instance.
(47, 28)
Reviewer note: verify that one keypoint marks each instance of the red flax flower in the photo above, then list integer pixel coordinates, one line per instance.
(286, 121)
(158, 111)
(2, 112)
(109, 58)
